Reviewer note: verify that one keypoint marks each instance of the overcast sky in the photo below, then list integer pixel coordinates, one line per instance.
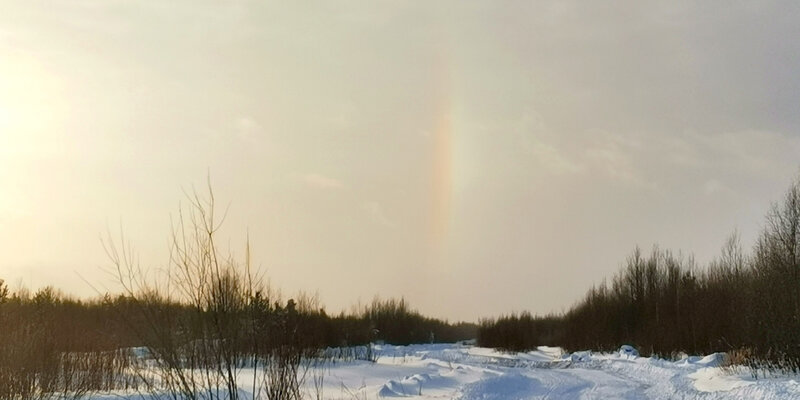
(474, 157)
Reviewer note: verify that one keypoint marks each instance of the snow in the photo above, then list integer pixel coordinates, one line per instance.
(714, 380)
(626, 351)
(457, 371)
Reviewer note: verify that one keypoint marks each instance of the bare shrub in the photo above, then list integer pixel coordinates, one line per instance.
(208, 316)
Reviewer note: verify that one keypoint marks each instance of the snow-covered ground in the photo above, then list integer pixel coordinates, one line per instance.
(445, 371)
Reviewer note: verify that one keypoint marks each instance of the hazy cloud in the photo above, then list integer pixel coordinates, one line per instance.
(715, 187)
(577, 130)
(321, 181)
(247, 128)
(531, 130)
(377, 214)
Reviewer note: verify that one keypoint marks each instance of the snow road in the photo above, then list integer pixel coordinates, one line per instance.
(445, 371)
(470, 373)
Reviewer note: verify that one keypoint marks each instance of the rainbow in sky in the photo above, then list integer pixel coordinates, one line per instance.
(442, 173)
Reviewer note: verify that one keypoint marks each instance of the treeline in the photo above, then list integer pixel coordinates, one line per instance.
(53, 344)
(207, 313)
(112, 322)
(519, 332)
(664, 303)
(393, 322)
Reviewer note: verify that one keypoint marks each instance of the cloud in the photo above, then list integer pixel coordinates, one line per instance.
(746, 152)
(756, 152)
(617, 158)
(343, 115)
(714, 187)
(247, 128)
(321, 181)
(533, 137)
(378, 215)
(551, 158)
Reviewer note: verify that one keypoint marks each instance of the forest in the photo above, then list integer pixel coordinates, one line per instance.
(664, 303)
(207, 312)
(212, 313)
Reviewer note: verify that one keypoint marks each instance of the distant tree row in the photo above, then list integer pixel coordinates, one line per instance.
(111, 322)
(663, 303)
(52, 343)
(206, 313)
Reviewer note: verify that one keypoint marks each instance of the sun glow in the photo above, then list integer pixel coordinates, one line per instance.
(30, 101)
(5, 117)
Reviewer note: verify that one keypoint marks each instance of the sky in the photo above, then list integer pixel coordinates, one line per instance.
(475, 158)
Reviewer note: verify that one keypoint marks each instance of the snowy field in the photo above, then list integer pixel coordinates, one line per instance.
(445, 371)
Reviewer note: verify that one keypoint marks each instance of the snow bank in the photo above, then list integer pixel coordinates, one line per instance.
(628, 352)
(467, 373)
(512, 385)
(714, 380)
(579, 356)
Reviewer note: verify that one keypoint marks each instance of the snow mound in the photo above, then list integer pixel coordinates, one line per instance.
(626, 351)
(579, 356)
(392, 389)
(714, 380)
(140, 352)
(506, 386)
(687, 360)
(418, 378)
(712, 360)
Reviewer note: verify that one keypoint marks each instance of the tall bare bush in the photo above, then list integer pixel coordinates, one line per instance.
(224, 323)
